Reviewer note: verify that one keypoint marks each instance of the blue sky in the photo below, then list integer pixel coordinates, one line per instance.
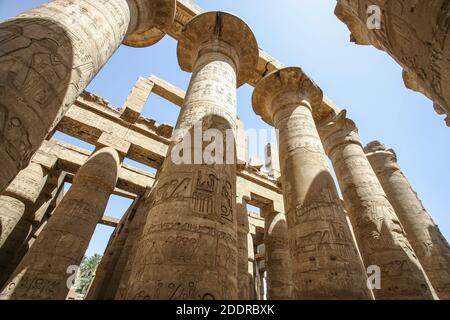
(304, 33)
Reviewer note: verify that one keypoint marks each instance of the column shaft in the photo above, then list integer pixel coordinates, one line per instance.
(430, 246)
(324, 258)
(277, 256)
(188, 249)
(102, 287)
(122, 271)
(251, 267)
(43, 272)
(17, 215)
(325, 263)
(48, 55)
(379, 233)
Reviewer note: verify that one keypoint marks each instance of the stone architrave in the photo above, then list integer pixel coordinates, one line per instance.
(44, 272)
(429, 244)
(380, 235)
(124, 266)
(325, 263)
(188, 249)
(48, 55)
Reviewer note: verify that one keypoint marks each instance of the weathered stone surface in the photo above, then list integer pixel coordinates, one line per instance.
(187, 9)
(17, 215)
(243, 229)
(251, 267)
(325, 264)
(104, 286)
(122, 271)
(134, 105)
(188, 249)
(429, 244)
(48, 55)
(380, 235)
(111, 140)
(42, 273)
(277, 256)
(415, 34)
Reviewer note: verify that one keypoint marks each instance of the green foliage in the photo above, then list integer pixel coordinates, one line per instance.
(86, 272)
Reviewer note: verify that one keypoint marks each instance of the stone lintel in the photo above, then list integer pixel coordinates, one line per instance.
(109, 221)
(167, 91)
(49, 162)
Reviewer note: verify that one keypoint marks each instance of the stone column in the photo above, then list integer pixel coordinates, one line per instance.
(325, 263)
(424, 235)
(48, 55)
(124, 266)
(102, 287)
(277, 257)
(242, 239)
(381, 238)
(42, 273)
(17, 204)
(188, 249)
(251, 267)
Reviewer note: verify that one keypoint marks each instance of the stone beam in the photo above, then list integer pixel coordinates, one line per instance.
(167, 91)
(90, 116)
(71, 158)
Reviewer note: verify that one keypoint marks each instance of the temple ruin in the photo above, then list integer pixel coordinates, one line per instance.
(188, 233)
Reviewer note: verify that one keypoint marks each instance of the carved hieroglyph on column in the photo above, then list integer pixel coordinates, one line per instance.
(16, 214)
(48, 55)
(325, 263)
(277, 256)
(188, 249)
(43, 272)
(424, 235)
(421, 25)
(379, 233)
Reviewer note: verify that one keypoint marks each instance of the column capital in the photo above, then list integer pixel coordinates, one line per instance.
(223, 32)
(284, 88)
(380, 156)
(152, 19)
(337, 131)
